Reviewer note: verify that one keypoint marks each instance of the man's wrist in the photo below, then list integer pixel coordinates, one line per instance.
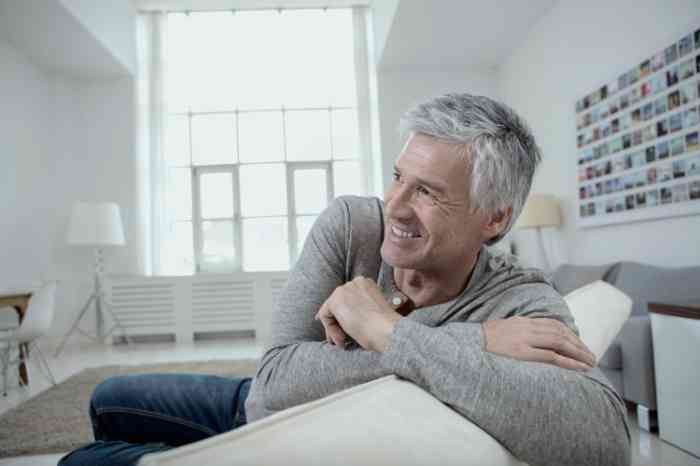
(384, 330)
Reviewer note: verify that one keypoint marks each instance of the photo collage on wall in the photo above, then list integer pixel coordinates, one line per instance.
(638, 144)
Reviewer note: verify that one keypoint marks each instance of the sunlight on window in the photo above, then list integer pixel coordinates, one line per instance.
(217, 195)
(310, 191)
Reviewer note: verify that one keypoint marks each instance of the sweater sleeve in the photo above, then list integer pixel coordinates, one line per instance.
(543, 414)
(299, 366)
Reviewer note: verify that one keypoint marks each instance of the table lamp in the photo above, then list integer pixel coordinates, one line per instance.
(541, 210)
(96, 225)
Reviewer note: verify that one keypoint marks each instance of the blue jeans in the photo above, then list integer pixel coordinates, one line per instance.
(133, 415)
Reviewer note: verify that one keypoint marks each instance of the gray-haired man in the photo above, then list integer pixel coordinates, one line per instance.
(407, 287)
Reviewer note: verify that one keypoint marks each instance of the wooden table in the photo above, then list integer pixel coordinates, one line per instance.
(19, 302)
(675, 328)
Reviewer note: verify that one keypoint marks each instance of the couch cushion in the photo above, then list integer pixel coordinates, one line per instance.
(612, 359)
(644, 283)
(599, 310)
(568, 277)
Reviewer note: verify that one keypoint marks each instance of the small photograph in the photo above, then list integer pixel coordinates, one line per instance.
(618, 164)
(615, 125)
(652, 198)
(648, 111)
(649, 133)
(685, 45)
(586, 103)
(658, 84)
(688, 92)
(693, 167)
(595, 115)
(651, 175)
(608, 187)
(605, 129)
(589, 173)
(582, 192)
(662, 127)
(603, 111)
(615, 145)
(633, 76)
(589, 191)
(657, 62)
(650, 154)
(608, 168)
(612, 106)
(591, 209)
(612, 86)
(624, 101)
(628, 161)
(625, 122)
(604, 92)
(641, 199)
(619, 204)
(665, 172)
(675, 122)
(660, 105)
(622, 81)
(636, 137)
(638, 159)
(596, 134)
(678, 169)
(674, 100)
(582, 211)
(697, 39)
(646, 89)
(679, 193)
(686, 69)
(672, 76)
(645, 66)
(626, 141)
(691, 141)
(629, 181)
(691, 117)
(598, 189)
(662, 150)
(603, 149)
(677, 146)
(636, 116)
(595, 97)
(666, 196)
(629, 202)
(694, 190)
(610, 206)
(579, 106)
(617, 184)
(670, 54)
(640, 179)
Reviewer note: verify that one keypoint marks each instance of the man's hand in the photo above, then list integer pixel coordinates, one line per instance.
(358, 309)
(540, 339)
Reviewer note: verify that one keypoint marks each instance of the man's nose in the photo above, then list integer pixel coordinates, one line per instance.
(398, 201)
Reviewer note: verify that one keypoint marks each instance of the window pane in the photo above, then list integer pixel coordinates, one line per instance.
(304, 225)
(179, 259)
(308, 135)
(178, 63)
(263, 190)
(177, 140)
(310, 191)
(217, 245)
(346, 178)
(179, 195)
(346, 139)
(216, 195)
(260, 137)
(265, 244)
(341, 59)
(213, 139)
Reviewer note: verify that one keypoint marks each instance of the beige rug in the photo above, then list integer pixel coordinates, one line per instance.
(57, 420)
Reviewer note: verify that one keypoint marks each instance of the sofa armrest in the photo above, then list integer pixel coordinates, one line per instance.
(385, 421)
(638, 361)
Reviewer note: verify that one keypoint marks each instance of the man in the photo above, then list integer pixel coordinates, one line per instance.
(408, 287)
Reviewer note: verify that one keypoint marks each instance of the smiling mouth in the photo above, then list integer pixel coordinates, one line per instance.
(404, 233)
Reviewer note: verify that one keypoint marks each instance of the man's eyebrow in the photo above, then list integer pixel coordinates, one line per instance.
(439, 187)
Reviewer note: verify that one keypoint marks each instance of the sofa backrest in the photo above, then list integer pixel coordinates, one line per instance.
(569, 277)
(644, 283)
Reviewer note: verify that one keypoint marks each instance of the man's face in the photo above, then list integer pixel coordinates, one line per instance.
(429, 226)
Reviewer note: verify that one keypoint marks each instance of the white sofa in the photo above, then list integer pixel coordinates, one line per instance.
(386, 421)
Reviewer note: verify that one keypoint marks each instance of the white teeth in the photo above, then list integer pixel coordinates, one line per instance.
(402, 233)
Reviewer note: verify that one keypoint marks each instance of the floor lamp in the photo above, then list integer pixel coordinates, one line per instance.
(96, 225)
(541, 210)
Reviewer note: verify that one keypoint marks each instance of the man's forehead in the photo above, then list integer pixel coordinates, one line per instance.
(433, 161)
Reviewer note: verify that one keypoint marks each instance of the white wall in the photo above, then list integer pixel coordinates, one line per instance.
(574, 49)
(63, 141)
(399, 90)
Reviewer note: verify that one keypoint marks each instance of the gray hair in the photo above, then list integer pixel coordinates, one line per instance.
(498, 146)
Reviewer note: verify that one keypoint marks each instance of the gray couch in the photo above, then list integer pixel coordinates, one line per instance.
(629, 363)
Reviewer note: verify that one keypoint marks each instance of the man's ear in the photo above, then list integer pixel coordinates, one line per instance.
(496, 223)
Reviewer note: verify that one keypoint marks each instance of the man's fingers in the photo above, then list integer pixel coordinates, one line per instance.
(562, 346)
(552, 357)
(554, 327)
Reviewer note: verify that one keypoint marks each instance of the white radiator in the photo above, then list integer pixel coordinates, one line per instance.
(206, 303)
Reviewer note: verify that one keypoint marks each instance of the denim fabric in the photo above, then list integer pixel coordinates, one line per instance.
(133, 415)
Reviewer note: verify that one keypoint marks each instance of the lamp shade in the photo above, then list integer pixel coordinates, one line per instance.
(541, 210)
(95, 224)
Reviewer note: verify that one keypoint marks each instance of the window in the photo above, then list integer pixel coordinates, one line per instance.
(262, 132)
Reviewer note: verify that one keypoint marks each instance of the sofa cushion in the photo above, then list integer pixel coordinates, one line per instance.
(612, 359)
(644, 283)
(569, 277)
(599, 310)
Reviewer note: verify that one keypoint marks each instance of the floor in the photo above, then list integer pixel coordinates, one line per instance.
(648, 449)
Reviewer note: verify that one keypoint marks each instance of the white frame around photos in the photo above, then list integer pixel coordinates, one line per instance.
(685, 208)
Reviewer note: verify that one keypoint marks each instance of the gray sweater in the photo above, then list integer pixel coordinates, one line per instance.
(543, 414)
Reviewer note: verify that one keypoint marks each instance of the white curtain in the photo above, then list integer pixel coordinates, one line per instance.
(151, 111)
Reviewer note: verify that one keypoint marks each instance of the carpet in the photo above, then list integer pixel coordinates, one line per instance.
(57, 420)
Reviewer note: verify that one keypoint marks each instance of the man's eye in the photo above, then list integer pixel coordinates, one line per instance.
(397, 176)
(423, 191)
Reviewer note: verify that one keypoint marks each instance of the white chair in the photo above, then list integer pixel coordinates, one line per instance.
(36, 323)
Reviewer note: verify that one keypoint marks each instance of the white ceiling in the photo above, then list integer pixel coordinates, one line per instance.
(459, 34)
(195, 5)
